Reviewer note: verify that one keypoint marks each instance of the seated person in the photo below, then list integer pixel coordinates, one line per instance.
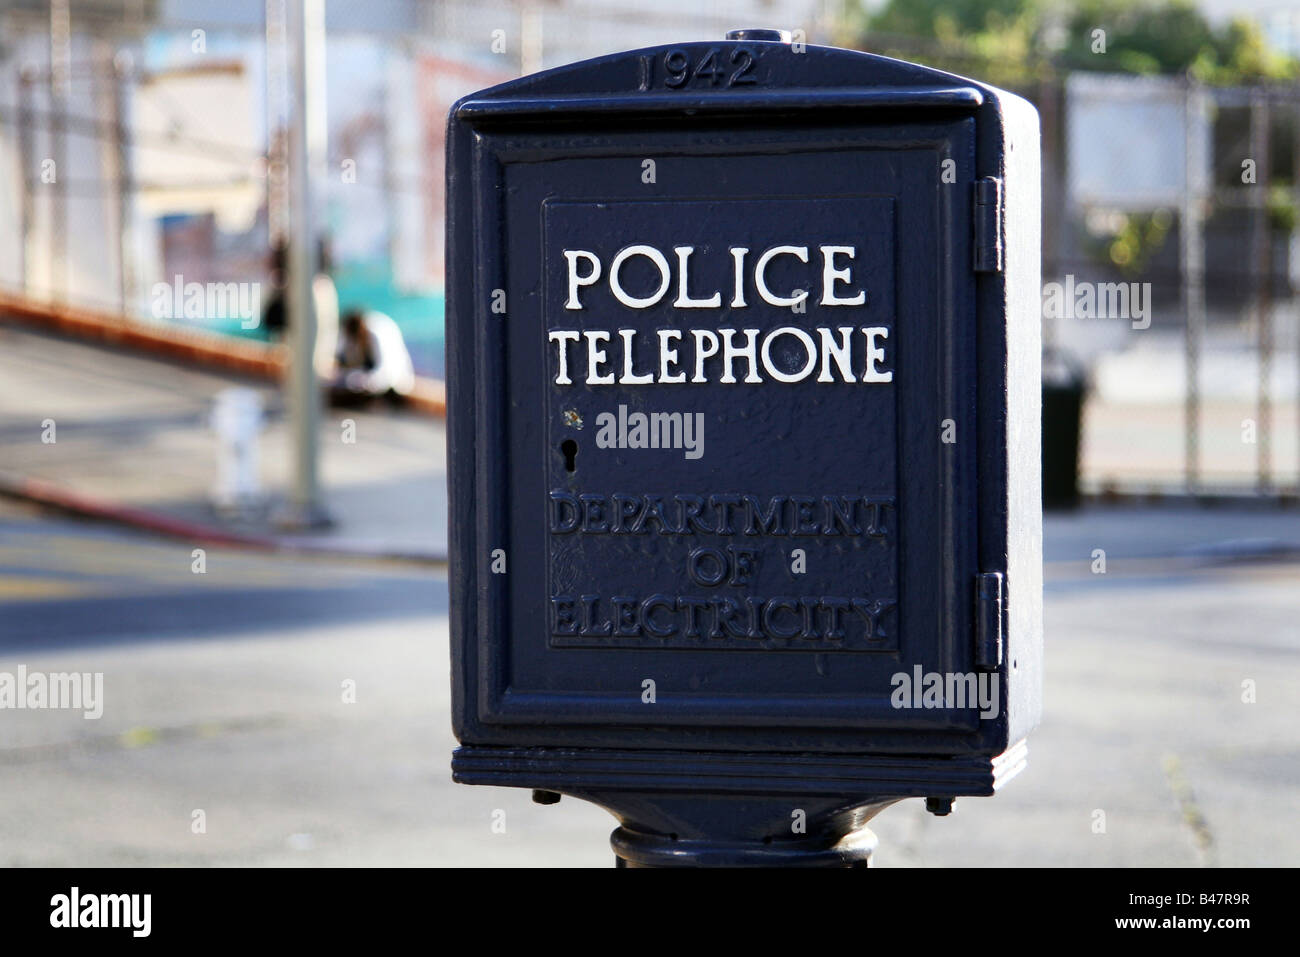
(372, 359)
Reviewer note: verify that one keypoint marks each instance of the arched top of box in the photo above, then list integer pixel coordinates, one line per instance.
(724, 77)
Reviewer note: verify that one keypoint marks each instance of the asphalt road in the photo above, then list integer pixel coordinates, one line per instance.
(227, 692)
(224, 692)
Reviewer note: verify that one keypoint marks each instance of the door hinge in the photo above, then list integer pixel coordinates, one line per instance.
(988, 621)
(988, 224)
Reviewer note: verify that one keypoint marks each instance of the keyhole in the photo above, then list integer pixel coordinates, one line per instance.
(570, 450)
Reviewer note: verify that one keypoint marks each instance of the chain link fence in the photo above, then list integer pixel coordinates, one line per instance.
(1170, 270)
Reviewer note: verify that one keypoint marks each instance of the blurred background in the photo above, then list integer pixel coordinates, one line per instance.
(260, 577)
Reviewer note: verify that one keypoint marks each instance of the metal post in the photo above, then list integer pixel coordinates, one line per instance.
(124, 74)
(60, 79)
(276, 120)
(25, 166)
(121, 77)
(1261, 271)
(530, 43)
(306, 22)
(1193, 269)
(110, 103)
(1054, 187)
(1295, 239)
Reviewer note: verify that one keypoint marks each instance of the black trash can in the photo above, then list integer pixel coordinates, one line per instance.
(1064, 387)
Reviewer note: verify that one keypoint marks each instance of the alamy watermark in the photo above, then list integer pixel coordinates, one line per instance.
(949, 690)
(53, 691)
(1098, 300)
(77, 909)
(208, 300)
(651, 430)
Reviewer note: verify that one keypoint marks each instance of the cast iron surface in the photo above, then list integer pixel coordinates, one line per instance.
(577, 568)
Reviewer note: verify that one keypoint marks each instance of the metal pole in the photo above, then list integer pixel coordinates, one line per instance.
(121, 76)
(109, 103)
(306, 21)
(1193, 267)
(1054, 187)
(25, 94)
(276, 121)
(60, 78)
(1261, 269)
(530, 43)
(1295, 229)
(1295, 239)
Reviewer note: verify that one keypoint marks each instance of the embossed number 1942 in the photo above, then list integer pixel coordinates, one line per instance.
(676, 71)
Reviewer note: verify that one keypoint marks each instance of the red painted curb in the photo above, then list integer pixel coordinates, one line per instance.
(194, 347)
(49, 495)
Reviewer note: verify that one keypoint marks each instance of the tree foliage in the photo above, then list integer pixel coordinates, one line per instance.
(1013, 42)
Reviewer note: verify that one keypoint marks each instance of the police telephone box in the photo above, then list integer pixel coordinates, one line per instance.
(743, 423)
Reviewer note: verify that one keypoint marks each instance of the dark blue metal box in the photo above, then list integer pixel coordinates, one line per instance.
(743, 423)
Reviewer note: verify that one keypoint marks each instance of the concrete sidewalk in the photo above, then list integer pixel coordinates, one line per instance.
(133, 442)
